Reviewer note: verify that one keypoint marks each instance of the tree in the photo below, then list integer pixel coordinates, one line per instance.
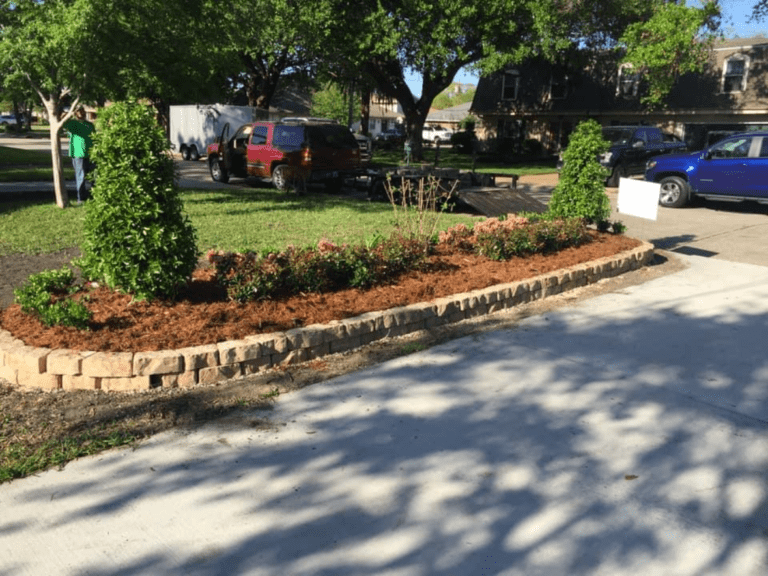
(49, 46)
(331, 102)
(285, 36)
(675, 40)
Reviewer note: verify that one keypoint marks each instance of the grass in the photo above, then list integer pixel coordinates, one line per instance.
(29, 166)
(453, 159)
(235, 219)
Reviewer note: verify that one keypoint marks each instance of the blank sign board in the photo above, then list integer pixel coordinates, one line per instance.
(639, 198)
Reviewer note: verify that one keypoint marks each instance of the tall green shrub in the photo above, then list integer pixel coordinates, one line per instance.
(137, 237)
(581, 190)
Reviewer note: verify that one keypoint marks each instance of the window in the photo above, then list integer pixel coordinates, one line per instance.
(558, 87)
(511, 85)
(259, 137)
(735, 73)
(628, 81)
(732, 148)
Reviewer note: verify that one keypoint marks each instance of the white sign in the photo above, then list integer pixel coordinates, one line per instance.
(639, 198)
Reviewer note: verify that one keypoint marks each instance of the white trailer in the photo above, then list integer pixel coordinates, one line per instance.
(194, 126)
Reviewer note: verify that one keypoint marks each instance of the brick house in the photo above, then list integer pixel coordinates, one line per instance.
(545, 101)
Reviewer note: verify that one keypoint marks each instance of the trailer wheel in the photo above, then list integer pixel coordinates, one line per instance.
(184, 152)
(194, 155)
(218, 172)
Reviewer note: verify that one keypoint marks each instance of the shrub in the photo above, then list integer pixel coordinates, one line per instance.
(42, 294)
(581, 190)
(326, 268)
(136, 236)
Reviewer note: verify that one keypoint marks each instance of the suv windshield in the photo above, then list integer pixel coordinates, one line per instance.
(617, 135)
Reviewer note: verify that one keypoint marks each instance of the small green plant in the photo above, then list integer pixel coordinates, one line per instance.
(45, 294)
(136, 235)
(618, 227)
(412, 348)
(581, 190)
(418, 208)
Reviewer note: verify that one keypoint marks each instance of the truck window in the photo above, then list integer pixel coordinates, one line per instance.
(617, 135)
(259, 137)
(288, 138)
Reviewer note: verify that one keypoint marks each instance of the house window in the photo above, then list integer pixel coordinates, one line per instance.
(628, 81)
(558, 87)
(511, 85)
(735, 73)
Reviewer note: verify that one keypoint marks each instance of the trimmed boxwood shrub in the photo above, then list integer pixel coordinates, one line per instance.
(136, 235)
(581, 190)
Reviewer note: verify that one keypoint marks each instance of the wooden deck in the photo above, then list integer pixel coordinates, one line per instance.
(494, 201)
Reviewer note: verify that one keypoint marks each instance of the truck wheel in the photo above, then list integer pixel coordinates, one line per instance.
(184, 153)
(674, 192)
(194, 155)
(280, 177)
(218, 172)
(619, 171)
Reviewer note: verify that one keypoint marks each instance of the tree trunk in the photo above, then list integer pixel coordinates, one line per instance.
(365, 111)
(59, 188)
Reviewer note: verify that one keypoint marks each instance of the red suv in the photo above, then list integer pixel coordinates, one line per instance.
(292, 152)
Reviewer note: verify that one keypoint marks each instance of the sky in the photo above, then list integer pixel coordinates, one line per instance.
(735, 16)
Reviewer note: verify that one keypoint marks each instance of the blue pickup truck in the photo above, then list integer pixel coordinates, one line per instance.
(632, 147)
(735, 169)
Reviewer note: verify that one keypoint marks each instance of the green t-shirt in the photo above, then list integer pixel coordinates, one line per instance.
(80, 141)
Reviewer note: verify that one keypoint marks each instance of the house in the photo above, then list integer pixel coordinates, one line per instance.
(448, 117)
(545, 101)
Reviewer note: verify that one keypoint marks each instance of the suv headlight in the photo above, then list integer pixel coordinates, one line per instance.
(605, 157)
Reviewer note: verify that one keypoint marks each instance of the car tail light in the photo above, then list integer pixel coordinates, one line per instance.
(306, 156)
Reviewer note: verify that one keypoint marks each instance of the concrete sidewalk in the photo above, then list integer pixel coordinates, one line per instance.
(624, 435)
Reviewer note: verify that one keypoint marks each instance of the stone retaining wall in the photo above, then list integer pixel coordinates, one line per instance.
(31, 367)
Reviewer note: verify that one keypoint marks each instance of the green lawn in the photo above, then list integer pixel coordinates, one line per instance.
(450, 159)
(234, 219)
(18, 165)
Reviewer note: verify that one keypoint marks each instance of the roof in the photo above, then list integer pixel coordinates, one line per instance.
(453, 114)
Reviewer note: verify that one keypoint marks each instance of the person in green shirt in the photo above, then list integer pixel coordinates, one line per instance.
(80, 142)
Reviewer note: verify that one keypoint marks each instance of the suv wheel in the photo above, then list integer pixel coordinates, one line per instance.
(619, 171)
(218, 172)
(184, 153)
(280, 177)
(194, 155)
(674, 192)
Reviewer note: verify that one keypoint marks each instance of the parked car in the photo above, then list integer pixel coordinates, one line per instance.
(735, 168)
(291, 152)
(392, 138)
(8, 120)
(632, 146)
(436, 135)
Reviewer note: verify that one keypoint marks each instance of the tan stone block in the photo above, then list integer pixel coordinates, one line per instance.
(345, 344)
(336, 330)
(162, 362)
(446, 306)
(126, 384)
(355, 327)
(65, 362)
(216, 374)
(253, 366)
(200, 356)
(306, 336)
(271, 343)
(236, 351)
(187, 379)
(108, 365)
(9, 374)
(319, 351)
(27, 358)
(290, 357)
(30, 379)
(80, 382)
